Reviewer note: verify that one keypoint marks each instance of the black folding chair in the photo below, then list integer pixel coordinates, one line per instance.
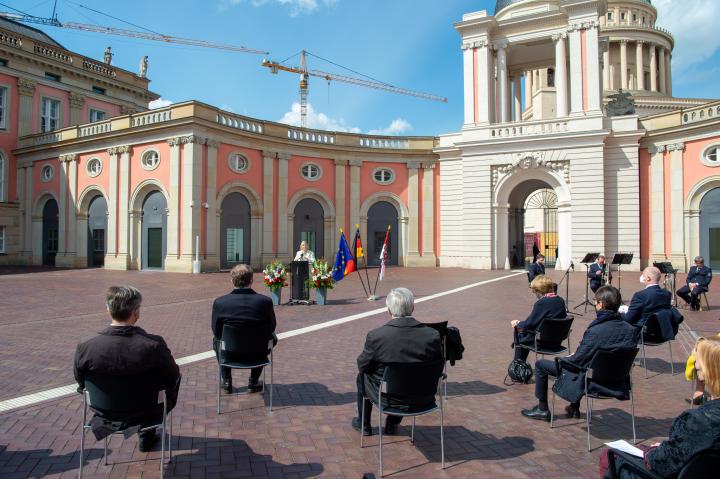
(549, 337)
(126, 396)
(403, 383)
(703, 464)
(442, 328)
(241, 341)
(652, 336)
(608, 376)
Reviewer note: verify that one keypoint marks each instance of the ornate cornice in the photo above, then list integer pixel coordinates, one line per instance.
(528, 161)
(68, 157)
(500, 45)
(192, 139)
(284, 156)
(676, 147)
(122, 149)
(174, 141)
(559, 36)
(413, 165)
(341, 162)
(355, 162)
(269, 154)
(212, 143)
(26, 86)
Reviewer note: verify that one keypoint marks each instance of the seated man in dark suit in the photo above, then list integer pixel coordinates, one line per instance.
(607, 332)
(124, 349)
(537, 268)
(598, 273)
(698, 281)
(402, 340)
(241, 306)
(649, 300)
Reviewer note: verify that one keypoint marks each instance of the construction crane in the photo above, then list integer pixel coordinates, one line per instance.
(306, 73)
(54, 22)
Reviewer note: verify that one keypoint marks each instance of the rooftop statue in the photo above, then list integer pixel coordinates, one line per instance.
(621, 104)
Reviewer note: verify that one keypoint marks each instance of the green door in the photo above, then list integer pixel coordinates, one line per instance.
(154, 247)
(715, 247)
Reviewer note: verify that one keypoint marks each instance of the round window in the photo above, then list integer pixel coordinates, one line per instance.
(47, 173)
(383, 176)
(238, 163)
(150, 159)
(712, 154)
(94, 167)
(311, 171)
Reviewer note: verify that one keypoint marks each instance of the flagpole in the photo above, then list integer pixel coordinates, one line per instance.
(371, 296)
(387, 236)
(365, 290)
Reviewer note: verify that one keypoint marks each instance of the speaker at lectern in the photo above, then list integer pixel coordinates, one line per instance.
(300, 274)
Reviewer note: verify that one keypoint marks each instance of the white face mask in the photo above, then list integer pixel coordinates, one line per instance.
(642, 279)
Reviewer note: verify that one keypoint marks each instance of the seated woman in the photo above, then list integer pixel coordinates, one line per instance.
(694, 431)
(548, 306)
(694, 374)
(304, 254)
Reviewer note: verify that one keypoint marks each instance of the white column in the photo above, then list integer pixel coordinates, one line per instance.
(173, 217)
(22, 205)
(677, 220)
(354, 192)
(653, 68)
(485, 79)
(413, 223)
(606, 68)
(62, 211)
(529, 90)
(123, 204)
(268, 206)
(623, 65)
(111, 235)
(517, 113)
(561, 99)
(503, 81)
(668, 72)
(191, 199)
(592, 66)
(70, 245)
(469, 82)
(576, 71)
(282, 206)
(663, 77)
(212, 241)
(26, 92)
(340, 196)
(657, 203)
(428, 214)
(639, 64)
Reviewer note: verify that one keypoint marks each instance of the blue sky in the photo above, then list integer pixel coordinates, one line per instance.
(408, 43)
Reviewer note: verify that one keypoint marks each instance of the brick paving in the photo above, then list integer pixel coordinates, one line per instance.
(44, 313)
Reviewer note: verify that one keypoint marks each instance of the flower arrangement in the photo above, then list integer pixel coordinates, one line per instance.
(321, 275)
(275, 275)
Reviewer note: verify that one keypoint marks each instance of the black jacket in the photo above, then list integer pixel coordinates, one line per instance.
(596, 279)
(646, 302)
(547, 307)
(535, 269)
(241, 306)
(607, 332)
(701, 276)
(400, 340)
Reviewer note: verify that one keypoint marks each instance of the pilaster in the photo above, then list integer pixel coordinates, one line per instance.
(413, 220)
(268, 206)
(561, 105)
(576, 71)
(26, 91)
(173, 202)
(212, 258)
(677, 246)
(485, 79)
(501, 48)
(657, 203)
(123, 257)
(468, 82)
(282, 206)
(77, 101)
(592, 66)
(190, 203)
(428, 215)
(66, 255)
(340, 166)
(28, 236)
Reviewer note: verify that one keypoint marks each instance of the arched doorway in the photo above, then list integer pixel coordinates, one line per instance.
(235, 230)
(710, 228)
(50, 232)
(309, 225)
(540, 226)
(380, 215)
(154, 231)
(97, 232)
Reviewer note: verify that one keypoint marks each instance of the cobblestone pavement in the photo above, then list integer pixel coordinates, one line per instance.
(44, 313)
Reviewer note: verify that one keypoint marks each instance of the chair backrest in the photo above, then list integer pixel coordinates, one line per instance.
(704, 464)
(412, 380)
(441, 327)
(246, 339)
(123, 394)
(555, 331)
(652, 326)
(611, 366)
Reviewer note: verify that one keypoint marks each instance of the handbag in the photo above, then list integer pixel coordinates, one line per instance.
(570, 385)
(519, 372)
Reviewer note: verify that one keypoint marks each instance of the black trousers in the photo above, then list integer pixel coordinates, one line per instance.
(543, 369)
(691, 297)
(367, 404)
(225, 372)
(520, 353)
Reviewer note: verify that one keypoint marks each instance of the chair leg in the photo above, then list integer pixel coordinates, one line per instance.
(170, 438)
(218, 388)
(381, 434)
(271, 381)
(442, 434)
(105, 450)
(412, 431)
(552, 411)
(644, 358)
(362, 423)
(672, 365)
(82, 446)
(632, 406)
(587, 419)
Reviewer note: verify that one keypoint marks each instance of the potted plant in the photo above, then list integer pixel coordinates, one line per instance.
(275, 277)
(321, 280)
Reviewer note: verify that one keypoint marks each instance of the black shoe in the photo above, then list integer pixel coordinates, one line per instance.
(696, 401)
(255, 386)
(573, 412)
(227, 386)
(366, 430)
(537, 413)
(148, 440)
(390, 428)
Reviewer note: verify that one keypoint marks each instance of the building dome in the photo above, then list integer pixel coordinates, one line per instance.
(500, 4)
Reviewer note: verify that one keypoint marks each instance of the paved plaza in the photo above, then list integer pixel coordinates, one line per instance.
(44, 313)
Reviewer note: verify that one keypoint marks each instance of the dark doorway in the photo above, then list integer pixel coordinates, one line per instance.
(710, 229)
(309, 226)
(50, 232)
(235, 230)
(96, 233)
(154, 231)
(380, 215)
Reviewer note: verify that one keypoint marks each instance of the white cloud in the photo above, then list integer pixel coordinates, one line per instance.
(296, 7)
(160, 103)
(397, 127)
(693, 23)
(318, 121)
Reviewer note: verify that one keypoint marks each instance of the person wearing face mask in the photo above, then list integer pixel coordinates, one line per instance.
(548, 306)
(607, 332)
(649, 300)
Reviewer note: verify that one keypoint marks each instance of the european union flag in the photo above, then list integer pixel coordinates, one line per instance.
(344, 262)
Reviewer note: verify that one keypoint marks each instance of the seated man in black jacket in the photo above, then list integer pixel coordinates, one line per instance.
(698, 282)
(607, 332)
(242, 306)
(537, 268)
(402, 340)
(124, 349)
(648, 301)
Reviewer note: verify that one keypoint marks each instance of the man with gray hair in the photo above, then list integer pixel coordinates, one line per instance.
(124, 349)
(401, 340)
(649, 300)
(698, 282)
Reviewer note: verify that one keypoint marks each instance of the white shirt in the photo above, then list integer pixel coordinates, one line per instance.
(304, 256)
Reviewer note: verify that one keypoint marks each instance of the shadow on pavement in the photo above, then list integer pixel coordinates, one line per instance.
(307, 394)
(472, 388)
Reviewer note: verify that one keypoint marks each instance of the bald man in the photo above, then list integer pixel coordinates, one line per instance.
(649, 300)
